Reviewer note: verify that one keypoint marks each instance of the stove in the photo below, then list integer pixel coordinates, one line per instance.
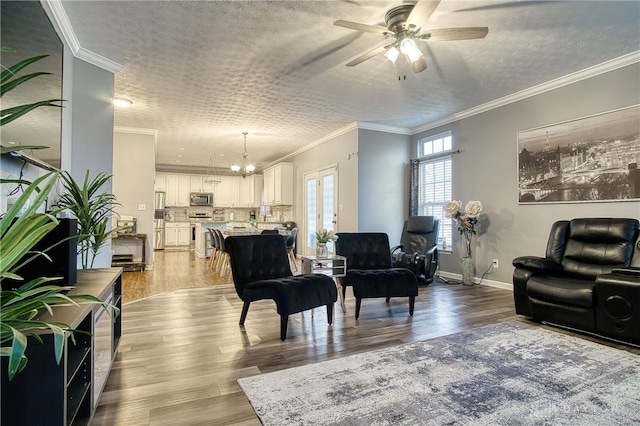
(200, 217)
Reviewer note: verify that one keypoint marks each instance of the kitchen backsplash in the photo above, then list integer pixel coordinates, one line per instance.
(271, 214)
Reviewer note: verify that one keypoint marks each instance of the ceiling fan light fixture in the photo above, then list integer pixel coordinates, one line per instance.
(392, 54)
(250, 168)
(407, 45)
(235, 168)
(414, 55)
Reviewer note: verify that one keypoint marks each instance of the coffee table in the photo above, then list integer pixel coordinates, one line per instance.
(332, 265)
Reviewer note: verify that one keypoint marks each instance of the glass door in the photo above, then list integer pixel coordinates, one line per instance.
(321, 201)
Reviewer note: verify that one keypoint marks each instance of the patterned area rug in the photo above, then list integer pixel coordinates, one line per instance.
(502, 374)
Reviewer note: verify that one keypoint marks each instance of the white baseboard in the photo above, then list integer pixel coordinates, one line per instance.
(490, 283)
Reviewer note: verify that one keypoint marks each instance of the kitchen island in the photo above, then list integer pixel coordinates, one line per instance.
(202, 246)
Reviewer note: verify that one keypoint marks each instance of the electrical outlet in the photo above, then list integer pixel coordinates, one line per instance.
(495, 264)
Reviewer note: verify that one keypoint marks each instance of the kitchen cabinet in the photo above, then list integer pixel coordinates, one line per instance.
(195, 183)
(250, 191)
(67, 393)
(160, 182)
(226, 192)
(278, 185)
(203, 183)
(177, 234)
(178, 189)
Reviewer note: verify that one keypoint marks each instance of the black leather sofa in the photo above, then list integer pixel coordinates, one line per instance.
(589, 279)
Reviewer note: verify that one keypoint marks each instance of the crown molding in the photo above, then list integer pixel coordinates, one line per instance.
(575, 77)
(97, 60)
(59, 18)
(333, 135)
(365, 125)
(56, 13)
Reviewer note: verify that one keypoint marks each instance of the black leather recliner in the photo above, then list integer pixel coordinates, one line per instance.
(369, 269)
(588, 280)
(418, 249)
(261, 270)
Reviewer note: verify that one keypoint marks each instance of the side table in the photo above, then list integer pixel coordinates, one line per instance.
(128, 261)
(332, 265)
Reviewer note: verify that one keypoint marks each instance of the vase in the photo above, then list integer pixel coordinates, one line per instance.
(467, 270)
(321, 250)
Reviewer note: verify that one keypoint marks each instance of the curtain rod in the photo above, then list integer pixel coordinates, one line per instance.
(436, 156)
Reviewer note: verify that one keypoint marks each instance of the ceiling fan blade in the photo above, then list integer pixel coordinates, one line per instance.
(417, 66)
(447, 34)
(421, 12)
(362, 27)
(376, 50)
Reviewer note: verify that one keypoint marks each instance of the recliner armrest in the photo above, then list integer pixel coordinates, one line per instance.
(537, 264)
(627, 271)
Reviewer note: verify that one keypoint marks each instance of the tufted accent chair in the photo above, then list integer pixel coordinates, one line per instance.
(369, 269)
(261, 270)
(589, 278)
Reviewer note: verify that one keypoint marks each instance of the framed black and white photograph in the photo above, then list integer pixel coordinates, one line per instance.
(589, 159)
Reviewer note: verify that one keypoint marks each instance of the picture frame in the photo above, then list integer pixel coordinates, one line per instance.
(594, 158)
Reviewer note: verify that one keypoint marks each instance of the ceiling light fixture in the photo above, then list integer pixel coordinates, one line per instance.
(409, 48)
(122, 102)
(247, 168)
(392, 54)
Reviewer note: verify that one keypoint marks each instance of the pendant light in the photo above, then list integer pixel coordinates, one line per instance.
(247, 168)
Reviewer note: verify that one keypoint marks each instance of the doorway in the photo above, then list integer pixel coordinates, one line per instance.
(320, 205)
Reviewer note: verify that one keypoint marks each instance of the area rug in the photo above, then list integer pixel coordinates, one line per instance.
(503, 374)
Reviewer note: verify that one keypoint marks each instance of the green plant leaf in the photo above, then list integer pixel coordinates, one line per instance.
(8, 73)
(10, 114)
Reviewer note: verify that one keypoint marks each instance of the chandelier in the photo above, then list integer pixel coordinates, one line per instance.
(247, 168)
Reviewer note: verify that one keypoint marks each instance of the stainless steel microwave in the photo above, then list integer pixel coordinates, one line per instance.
(201, 199)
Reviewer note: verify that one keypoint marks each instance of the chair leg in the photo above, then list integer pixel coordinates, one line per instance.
(243, 315)
(330, 313)
(358, 303)
(388, 299)
(412, 303)
(284, 320)
(292, 258)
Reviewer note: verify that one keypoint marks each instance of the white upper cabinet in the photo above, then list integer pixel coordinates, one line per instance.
(160, 183)
(228, 191)
(250, 191)
(196, 183)
(178, 189)
(278, 185)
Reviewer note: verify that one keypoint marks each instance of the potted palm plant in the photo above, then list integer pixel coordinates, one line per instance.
(93, 209)
(21, 228)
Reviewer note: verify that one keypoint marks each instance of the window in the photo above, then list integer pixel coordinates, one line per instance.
(435, 182)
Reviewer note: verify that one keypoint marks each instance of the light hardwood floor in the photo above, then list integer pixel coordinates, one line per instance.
(182, 348)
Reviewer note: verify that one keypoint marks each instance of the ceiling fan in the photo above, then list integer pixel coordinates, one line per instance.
(404, 25)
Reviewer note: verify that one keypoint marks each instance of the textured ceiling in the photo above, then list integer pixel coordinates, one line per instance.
(201, 73)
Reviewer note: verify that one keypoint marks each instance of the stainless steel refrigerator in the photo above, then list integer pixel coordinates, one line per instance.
(158, 221)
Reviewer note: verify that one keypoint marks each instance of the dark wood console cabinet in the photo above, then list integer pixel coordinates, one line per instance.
(46, 393)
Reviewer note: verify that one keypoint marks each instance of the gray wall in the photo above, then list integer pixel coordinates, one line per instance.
(383, 182)
(334, 151)
(486, 170)
(87, 126)
(133, 176)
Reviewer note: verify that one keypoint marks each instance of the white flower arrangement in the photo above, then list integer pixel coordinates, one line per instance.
(466, 219)
(324, 236)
